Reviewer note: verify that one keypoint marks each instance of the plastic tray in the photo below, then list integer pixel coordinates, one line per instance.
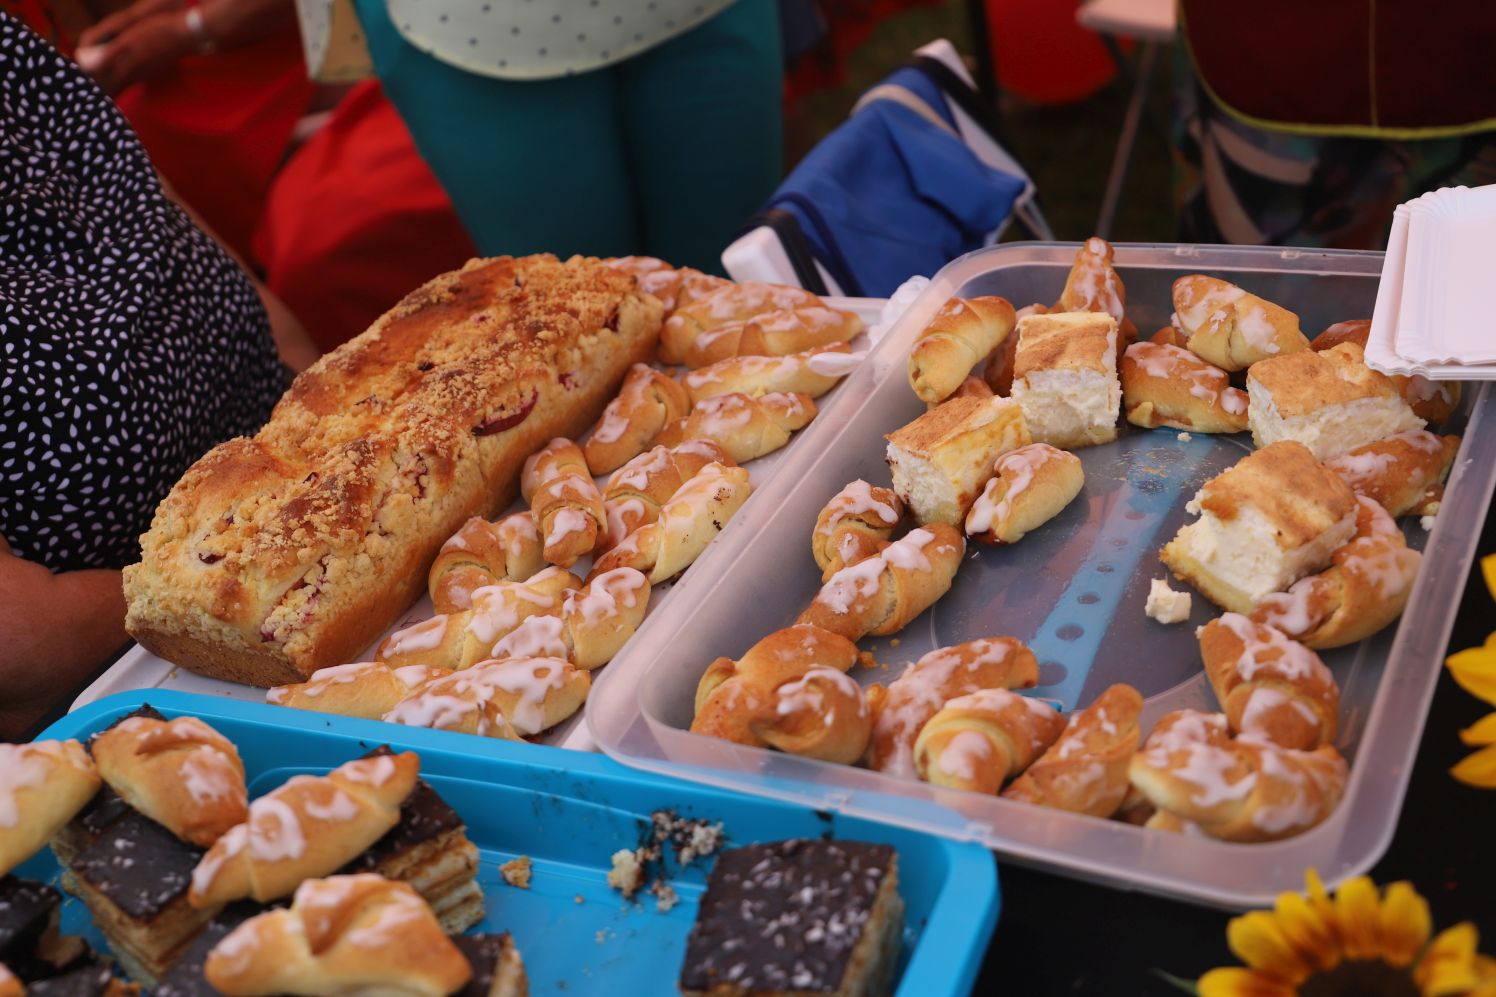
(1074, 591)
(138, 668)
(569, 812)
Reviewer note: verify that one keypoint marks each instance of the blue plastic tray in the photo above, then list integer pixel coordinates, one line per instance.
(569, 812)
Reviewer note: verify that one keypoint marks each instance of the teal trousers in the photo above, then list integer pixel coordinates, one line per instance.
(666, 154)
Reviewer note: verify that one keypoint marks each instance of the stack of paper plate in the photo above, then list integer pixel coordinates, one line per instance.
(1433, 316)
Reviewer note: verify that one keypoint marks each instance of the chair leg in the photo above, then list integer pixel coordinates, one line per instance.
(1128, 138)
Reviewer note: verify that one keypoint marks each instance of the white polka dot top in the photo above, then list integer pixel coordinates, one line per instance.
(130, 343)
(510, 39)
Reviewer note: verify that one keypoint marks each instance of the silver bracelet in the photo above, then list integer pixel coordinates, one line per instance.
(199, 31)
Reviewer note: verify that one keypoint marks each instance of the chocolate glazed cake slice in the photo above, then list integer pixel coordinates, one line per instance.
(797, 917)
(30, 945)
(430, 850)
(498, 970)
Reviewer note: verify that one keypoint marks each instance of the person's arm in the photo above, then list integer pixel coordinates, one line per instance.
(150, 36)
(55, 630)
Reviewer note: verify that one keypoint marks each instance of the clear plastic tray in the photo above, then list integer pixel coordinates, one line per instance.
(1074, 591)
(138, 668)
(569, 812)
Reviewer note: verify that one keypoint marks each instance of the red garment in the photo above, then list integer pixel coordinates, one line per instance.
(1395, 66)
(218, 126)
(355, 220)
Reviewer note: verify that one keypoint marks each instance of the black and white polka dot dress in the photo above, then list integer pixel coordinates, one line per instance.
(130, 343)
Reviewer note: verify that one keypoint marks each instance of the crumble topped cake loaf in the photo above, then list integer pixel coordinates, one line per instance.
(797, 917)
(292, 550)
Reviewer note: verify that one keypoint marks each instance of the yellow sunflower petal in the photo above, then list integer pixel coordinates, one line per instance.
(1406, 924)
(1479, 769)
(1488, 570)
(1237, 982)
(1485, 975)
(1358, 912)
(1257, 940)
(1310, 933)
(1483, 731)
(1318, 898)
(1448, 966)
(1475, 670)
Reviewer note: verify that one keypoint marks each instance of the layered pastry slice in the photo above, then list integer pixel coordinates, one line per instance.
(369, 815)
(1328, 400)
(1273, 518)
(359, 934)
(797, 917)
(941, 460)
(172, 787)
(1065, 378)
(30, 944)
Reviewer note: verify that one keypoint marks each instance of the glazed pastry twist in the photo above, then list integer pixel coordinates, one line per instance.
(1241, 789)
(795, 373)
(636, 491)
(1269, 686)
(459, 640)
(1029, 487)
(726, 305)
(789, 691)
(1231, 328)
(980, 740)
(482, 553)
(503, 698)
(901, 711)
(773, 334)
(42, 785)
(960, 336)
(343, 934)
(687, 523)
(883, 594)
(648, 401)
(854, 525)
(311, 826)
(565, 501)
(594, 624)
(1168, 386)
(1405, 473)
(744, 427)
(366, 689)
(1085, 771)
(180, 773)
(1365, 587)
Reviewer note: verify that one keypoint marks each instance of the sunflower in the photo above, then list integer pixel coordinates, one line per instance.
(1475, 670)
(1358, 942)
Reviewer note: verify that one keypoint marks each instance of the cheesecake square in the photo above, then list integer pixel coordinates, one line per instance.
(1328, 400)
(1065, 378)
(1271, 519)
(797, 917)
(941, 460)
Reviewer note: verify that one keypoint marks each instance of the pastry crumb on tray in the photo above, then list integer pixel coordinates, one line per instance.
(1166, 605)
(645, 868)
(516, 872)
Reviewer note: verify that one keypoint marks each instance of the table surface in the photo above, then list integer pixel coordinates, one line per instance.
(1060, 936)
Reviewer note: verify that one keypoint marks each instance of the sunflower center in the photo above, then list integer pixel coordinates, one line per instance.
(1360, 978)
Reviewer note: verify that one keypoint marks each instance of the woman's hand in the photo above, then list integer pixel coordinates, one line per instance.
(141, 41)
(55, 631)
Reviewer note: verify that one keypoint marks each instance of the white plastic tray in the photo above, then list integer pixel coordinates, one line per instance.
(138, 668)
(1074, 591)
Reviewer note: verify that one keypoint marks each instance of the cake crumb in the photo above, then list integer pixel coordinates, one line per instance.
(1185, 437)
(516, 872)
(1427, 522)
(704, 840)
(578, 899)
(1164, 604)
(665, 895)
(627, 874)
(895, 642)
